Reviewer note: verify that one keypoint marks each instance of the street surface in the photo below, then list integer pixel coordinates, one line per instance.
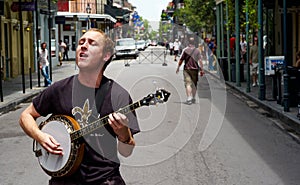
(219, 140)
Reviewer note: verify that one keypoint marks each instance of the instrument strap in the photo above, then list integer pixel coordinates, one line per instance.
(187, 60)
(101, 93)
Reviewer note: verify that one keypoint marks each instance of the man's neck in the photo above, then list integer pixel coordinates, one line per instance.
(90, 80)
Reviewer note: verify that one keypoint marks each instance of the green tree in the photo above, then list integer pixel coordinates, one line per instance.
(197, 14)
(252, 13)
(164, 30)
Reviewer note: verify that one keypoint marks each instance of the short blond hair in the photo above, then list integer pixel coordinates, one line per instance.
(108, 43)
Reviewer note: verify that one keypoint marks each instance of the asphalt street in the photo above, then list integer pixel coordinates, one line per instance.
(219, 140)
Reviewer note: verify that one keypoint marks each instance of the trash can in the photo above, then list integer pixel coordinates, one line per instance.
(293, 86)
(233, 72)
(223, 65)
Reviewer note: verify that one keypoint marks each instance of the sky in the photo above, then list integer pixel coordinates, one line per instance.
(150, 9)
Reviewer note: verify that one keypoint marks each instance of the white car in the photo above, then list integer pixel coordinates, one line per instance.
(126, 48)
(141, 45)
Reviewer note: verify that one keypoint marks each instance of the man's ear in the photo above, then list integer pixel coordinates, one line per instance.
(107, 56)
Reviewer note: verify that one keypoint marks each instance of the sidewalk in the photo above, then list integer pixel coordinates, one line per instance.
(13, 88)
(270, 106)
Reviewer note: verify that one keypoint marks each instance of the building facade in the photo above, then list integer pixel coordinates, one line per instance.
(50, 21)
(14, 26)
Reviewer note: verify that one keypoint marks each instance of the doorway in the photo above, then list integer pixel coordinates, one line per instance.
(71, 43)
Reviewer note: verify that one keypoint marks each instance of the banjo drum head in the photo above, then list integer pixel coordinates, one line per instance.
(51, 162)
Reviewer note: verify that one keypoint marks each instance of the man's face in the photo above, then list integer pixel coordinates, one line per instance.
(89, 52)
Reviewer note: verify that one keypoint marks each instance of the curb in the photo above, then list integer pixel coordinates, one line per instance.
(291, 122)
(291, 125)
(13, 104)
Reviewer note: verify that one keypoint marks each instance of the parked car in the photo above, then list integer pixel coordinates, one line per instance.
(140, 45)
(126, 48)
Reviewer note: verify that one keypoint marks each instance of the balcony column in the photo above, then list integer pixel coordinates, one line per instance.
(261, 76)
(237, 43)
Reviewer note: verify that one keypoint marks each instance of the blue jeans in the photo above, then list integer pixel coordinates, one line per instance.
(45, 73)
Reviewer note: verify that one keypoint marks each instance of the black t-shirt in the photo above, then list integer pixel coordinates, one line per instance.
(70, 97)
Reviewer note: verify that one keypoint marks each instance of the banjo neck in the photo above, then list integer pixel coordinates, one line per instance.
(102, 121)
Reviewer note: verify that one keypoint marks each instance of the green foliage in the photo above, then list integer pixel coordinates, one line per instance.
(252, 13)
(231, 13)
(153, 35)
(164, 30)
(197, 14)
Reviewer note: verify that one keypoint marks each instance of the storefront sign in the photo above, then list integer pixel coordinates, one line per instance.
(25, 6)
(60, 19)
(272, 62)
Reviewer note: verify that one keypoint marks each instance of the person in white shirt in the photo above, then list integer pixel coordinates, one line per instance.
(243, 45)
(171, 48)
(62, 47)
(44, 64)
(176, 49)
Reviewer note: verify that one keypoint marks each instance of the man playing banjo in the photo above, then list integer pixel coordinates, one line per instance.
(85, 98)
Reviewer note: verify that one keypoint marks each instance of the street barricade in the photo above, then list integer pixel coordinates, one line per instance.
(153, 55)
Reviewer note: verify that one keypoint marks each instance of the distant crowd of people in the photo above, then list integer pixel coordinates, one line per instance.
(208, 46)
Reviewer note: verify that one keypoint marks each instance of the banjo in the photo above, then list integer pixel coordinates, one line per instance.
(67, 131)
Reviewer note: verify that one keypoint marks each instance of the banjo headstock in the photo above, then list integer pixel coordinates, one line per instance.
(160, 96)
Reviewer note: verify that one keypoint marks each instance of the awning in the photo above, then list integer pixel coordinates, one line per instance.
(117, 5)
(86, 15)
(116, 12)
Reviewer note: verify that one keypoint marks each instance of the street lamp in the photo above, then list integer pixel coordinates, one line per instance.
(88, 11)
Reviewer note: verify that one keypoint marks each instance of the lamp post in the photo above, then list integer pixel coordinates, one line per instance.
(88, 11)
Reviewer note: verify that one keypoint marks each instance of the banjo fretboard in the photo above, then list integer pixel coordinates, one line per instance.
(101, 122)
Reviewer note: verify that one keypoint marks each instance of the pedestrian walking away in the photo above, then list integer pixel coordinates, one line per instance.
(253, 60)
(61, 47)
(66, 51)
(176, 46)
(192, 67)
(44, 64)
(83, 98)
(171, 48)
(232, 45)
(243, 52)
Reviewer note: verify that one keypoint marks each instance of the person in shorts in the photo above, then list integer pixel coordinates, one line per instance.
(253, 59)
(192, 67)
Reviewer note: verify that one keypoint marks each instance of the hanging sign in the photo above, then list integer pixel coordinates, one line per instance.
(24, 6)
(1, 7)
